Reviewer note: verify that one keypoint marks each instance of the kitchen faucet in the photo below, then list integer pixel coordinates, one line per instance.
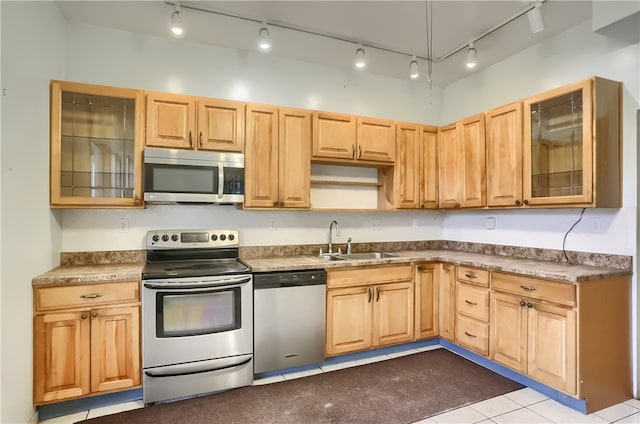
(331, 236)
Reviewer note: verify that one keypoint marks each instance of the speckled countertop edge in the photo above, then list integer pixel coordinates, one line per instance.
(86, 274)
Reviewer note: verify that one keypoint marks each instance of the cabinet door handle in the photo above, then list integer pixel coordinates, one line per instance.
(368, 294)
(457, 205)
(470, 275)
(190, 140)
(518, 202)
(359, 152)
(90, 296)
(470, 302)
(529, 305)
(523, 303)
(470, 335)
(94, 314)
(83, 316)
(200, 141)
(136, 202)
(526, 202)
(353, 151)
(377, 294)
(527, 288)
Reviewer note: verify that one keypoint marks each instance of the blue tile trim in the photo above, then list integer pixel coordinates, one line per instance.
(59, 409)
(579, 405)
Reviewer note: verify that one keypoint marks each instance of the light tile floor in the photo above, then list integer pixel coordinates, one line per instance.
(525, 406)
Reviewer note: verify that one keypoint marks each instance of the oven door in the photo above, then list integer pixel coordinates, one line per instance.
(196, 319)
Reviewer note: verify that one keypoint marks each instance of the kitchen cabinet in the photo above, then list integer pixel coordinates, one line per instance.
(504, 155)
(574, 337)
(446, 301)
(188, 122)
(277, 158)
(346, 139)
(97, 136)
(461, 164)
(369, 307)
(571, 147)
(472, 309)
(426, 294)
(416, 166)
(86, 340)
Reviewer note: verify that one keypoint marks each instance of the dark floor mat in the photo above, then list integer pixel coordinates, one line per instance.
(400, 390)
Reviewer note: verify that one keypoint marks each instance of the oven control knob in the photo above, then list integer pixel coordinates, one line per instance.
(231, 237)
(214, 237)
(165, 237)
(155, 238)
(174, 237)
(223, 237)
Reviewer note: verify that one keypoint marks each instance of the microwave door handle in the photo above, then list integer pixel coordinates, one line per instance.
(220, 180)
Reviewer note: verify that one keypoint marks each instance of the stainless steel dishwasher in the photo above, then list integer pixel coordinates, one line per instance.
(289, 319)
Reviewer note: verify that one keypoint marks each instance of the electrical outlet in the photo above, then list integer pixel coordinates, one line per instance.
(375, 224)
(124, 225)
(272, 225)
(490, 223)
(415, 223)
(596, 225)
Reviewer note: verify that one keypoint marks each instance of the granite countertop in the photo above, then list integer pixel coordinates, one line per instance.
(560, 271)
(86, 274)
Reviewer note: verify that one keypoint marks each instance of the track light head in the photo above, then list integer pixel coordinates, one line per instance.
(177, 28)
(472, 53)
(535, 19)
(414, 72)
(360, 60)
(264, 40)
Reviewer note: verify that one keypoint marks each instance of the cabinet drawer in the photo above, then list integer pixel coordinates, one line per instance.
(368, 275)
(479, 277)
(472, 301)
(472, 334)
(85, 295)
(552, 291)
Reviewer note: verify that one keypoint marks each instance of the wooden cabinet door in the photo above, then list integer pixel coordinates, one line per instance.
(504, 155)
(220, 125)
(61, 356)
(426, 305)
(472, 177)
(261, 157)
(349, 319)
(552, 346)
(449, 167)
(334, 136)
(429, 168)
(393, 316)
(171, 120)
(508, 331)
(376, 140)
(407, 177)
(295, 158)
(115, 348)
(446, 301)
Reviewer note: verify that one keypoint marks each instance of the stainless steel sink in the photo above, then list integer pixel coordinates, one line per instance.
(327, 257)
(369, 255)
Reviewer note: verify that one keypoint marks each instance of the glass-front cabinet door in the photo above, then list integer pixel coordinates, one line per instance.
(572, 152)
(97, 136)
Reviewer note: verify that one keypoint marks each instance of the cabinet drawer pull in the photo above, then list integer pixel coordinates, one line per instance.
(369, 295)
(90, 296)
(470, 302)
(470, 335)
(470, 275)
(527, 288)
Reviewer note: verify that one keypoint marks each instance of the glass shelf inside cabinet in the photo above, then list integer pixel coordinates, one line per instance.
(556, 146)
(97, 146)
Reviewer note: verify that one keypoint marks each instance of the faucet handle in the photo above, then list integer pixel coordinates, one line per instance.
(339, 250)
(320, 254)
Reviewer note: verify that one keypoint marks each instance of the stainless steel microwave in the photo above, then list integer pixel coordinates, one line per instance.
(193, 176)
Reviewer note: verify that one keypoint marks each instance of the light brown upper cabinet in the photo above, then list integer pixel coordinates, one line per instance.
(339, 138)
(572, 145)
(277, 158)
(504, 155)
(461, 164)
(97, 136)
(416, 166)
(188, 122)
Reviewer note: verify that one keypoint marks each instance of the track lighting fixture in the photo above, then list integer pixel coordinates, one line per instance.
(264, 41)
(535, 19)
(471, 57)
(360, 60)
(414, 72)
(176, 22)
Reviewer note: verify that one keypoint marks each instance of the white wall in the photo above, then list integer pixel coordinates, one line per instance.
(571, 56)
(32, 53)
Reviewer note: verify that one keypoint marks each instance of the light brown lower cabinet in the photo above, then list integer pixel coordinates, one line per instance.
(446, 301)
(472, 309)
(86, 340)
(362, 314)
(426, 294)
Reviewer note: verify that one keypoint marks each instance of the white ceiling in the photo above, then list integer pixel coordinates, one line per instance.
(395, 25)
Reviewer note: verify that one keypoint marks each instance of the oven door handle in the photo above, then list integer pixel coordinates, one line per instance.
(196, 284)
(200, 367)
